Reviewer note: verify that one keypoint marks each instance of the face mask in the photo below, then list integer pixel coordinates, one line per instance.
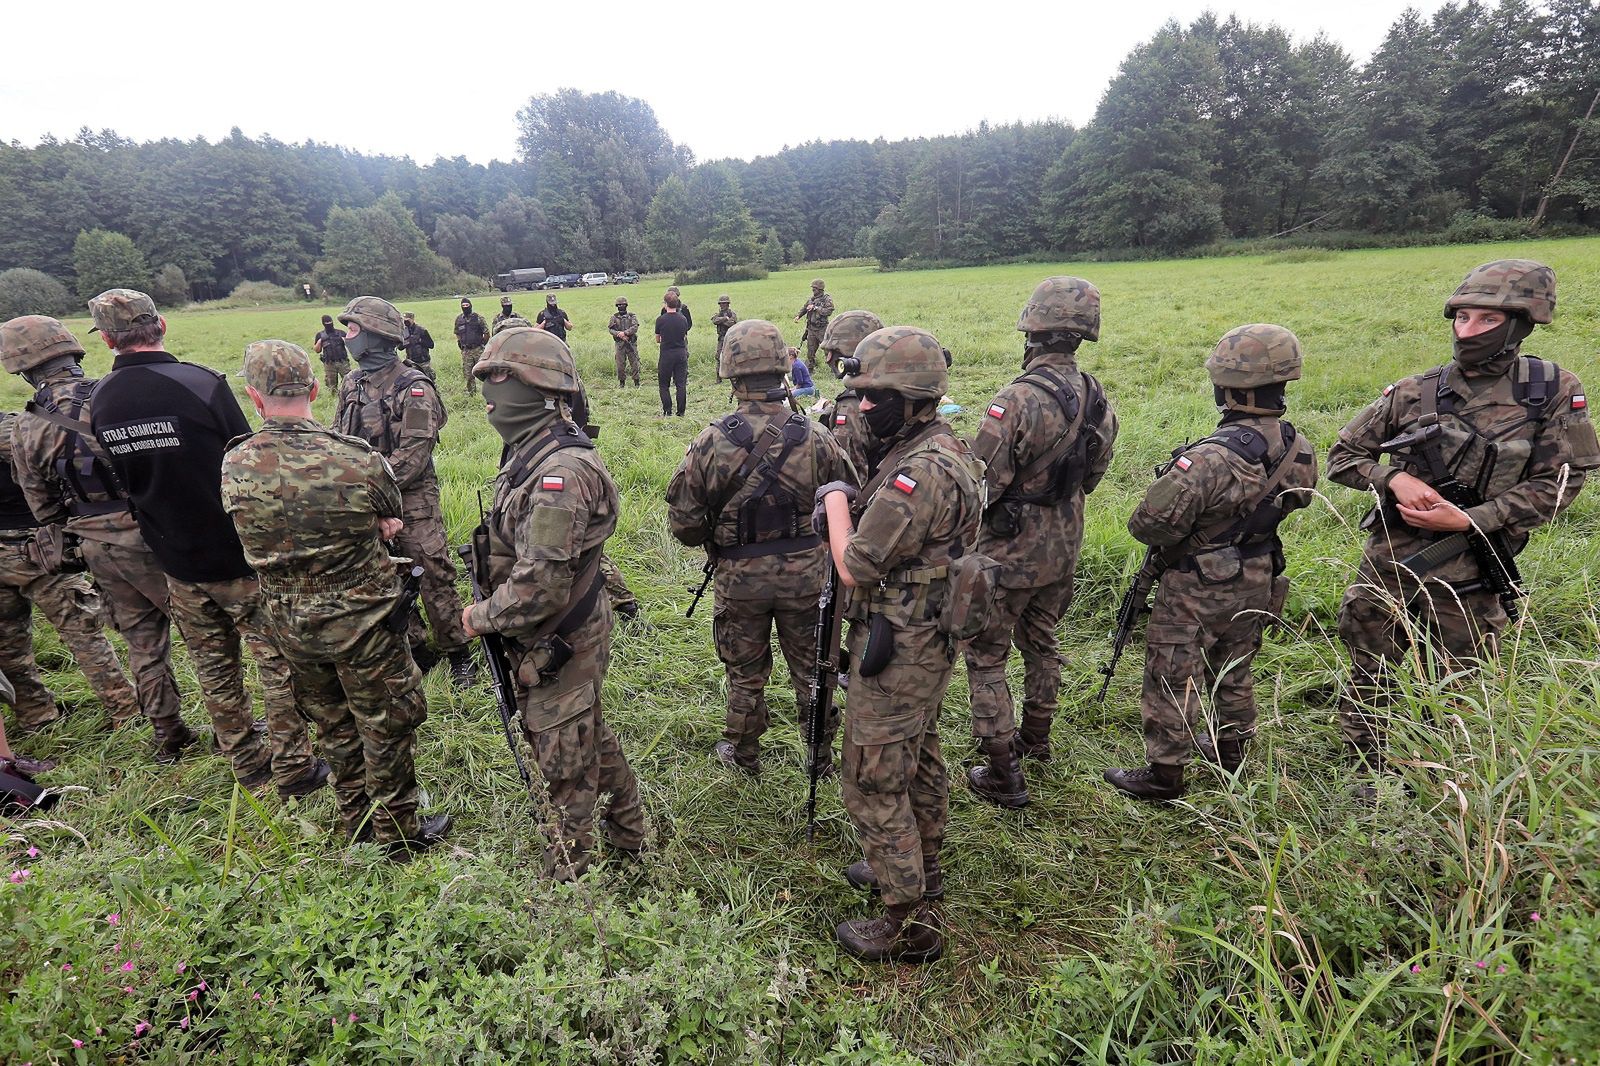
(466, 307)
(515, 409)
(69, 363)
(371, 351)
(886, 419)
(1475, 352)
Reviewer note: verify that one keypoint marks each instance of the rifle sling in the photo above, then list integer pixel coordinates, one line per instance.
(1204, 539)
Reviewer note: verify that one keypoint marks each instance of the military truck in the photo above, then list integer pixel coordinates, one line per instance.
(522, 278)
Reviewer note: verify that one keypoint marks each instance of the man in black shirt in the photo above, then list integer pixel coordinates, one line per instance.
(672, 365)
(164, 426)
(552, 319)
(329, 344)
(418, 344)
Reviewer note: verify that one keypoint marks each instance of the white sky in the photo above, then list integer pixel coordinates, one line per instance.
(725, 79)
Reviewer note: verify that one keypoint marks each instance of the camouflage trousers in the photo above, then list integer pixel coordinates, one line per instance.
(813, 339)
(366, 704)
(742, 631)
(1029, 617)
(72, 605)
(893, 776)
(333, 375)
(423, 540)
(579, 756)
(617, 590)
(1378, 625)
(627, 359)
(469, 359)
(216, 619)
(135, 590)
(1199, 643)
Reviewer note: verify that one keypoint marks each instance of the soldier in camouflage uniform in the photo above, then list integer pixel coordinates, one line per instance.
(472, 333)
(313, 509)
(744, 491)
(1047, 440)
(844, 417)
(329, 344)
(554, 507)
(816, 312)
(505, 313)
(893, 545)
(1516, 426)
(397, 410)
(1213, 517)
(66, 481)
(724, 319)
(624, 329)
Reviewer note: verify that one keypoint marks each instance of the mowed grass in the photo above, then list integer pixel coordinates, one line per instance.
(1268, 920)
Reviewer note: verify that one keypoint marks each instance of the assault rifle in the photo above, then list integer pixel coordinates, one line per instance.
(709, 571)
(1497, 564)
(399, 615)
(823, 680)
(1134, 603)
(475, 553)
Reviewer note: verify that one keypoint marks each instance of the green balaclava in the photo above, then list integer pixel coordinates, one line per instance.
(516, 409)
(1491, 353)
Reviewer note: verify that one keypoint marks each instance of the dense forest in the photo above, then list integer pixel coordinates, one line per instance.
(1480, 116)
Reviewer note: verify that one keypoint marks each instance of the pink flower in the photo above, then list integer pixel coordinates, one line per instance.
(33, 853)
(183, 1023)
(1415, 968)
(333, 1023)
(76, 1042)
(182, 966)
(19, 876)
(352, 1017)
(66, 967)
(202, 986)
(128, 989)
(99, 1031)
(127, 967)
(255, 995)
(1500, 969)
(1535, 916)
(141, 1029)
(117, 947)
(193, 996)
(113, 919)
(1480, 964)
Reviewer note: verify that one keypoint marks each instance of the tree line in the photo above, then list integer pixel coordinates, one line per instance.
(1218, 129)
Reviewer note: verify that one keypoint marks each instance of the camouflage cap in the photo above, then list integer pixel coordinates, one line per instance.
(118, 309)
(1521, 286)
(410, 316)
(846, 331)
(534, 357)
(1250, 356)
(816, 283)
(903, 359)
(1064, 303)
(622, 301)
(753, 347)
(375, 315)
(723, 300)
(549, 298)
(278, 368)
(505, 301)
(33, 340)
(512, 322)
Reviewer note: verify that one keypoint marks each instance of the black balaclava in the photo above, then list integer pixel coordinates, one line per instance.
(370, 351)
(36, 375)
(1263, 401)
(327, 323)
(466, 307)
(893, 421)
(1491, 353)
(1049, 342)
(761, 387)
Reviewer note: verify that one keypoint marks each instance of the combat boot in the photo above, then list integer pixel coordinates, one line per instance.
(729, 755)
(171, 739)
(425, 657)
(910, 932)
(1001, 781)
(861, 876)
(430, 830)
(1157, 782)
(1033, 739)
(308, 782)
(463, 669)
(1225, 752)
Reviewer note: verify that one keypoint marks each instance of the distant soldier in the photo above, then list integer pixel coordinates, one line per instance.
(723, 319)
(397, 410)
(816, 312)
(164, 426)
(744, 491)
(624, 330)
(1046, 440)
(894, 546)
(683, 308)
(839, 342)
(505, 313)
(553, 319)
(554, 507)
(418, 343)
(1507, 429)
(472, 333)
(329, 344)
(68, 482)
(313, 509)
(1213, 514)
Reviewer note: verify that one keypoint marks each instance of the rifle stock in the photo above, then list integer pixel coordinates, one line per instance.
(823, 679)
(708, 571)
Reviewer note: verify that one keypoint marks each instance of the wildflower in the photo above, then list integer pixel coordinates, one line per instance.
(99, 1031)
(183, 1023)
(194, 995)
(255, 995)
(66, 967)
(128, 989)
(1501, 968)
(352, 1017)
(1480, 964)
(76, 1042)
(1415, 968)
(33, 853)
(19, 876)
(141, 1029)
(1535, 916)
(182, 966)
(201, 986)
(114, 919)
(127, 967)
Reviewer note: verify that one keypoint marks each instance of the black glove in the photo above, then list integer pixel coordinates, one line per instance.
(819, 513)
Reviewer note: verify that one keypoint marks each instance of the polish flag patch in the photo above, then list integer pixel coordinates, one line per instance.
(840, 420)
(552, 483)
(1578, 401)
(1387, 389)
(418, 390)
(905, 484)
(996, 411)
(1184, 462)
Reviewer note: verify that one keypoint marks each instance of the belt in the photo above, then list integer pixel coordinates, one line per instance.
(300, 586)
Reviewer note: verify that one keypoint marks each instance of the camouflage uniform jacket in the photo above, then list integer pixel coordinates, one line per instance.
(821, 309)
(471, 330)
(849, 428)
(397, 410)
(501, 317)
(37, 446)
(1524, 469)
(709, 474)
(626, 323)
(925, 501)
(306, 502)
(1021, 425)
(724, 320)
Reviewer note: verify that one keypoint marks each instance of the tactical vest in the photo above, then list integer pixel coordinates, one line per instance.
(333, 349)
(349, 421)
(1067, 460)
(416, 348)
(770, 521)
(470, 330)
(92, 482)
(555, 322)
(1255, 532)
(1490, 465)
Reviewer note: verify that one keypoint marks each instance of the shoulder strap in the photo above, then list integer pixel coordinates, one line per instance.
(1433, 383)
(756, 450)
(1071, 410)
(554, 440)
(1219, 532)
(1243, 441)
(1533, 382)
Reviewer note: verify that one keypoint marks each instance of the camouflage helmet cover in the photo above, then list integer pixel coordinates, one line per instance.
(846, 331)
(753, 347)
(375, 315)
(533, 356)
(816, 283)
(1063, 303)
(723, 300)
(903, 359)
(1521, 286)
(511, 322)
(1250, 356)
(622, 301)
(278, 368)
(33, 340)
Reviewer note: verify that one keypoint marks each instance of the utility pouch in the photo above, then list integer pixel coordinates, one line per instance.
(55, 551)
(399, 616)
(1003, 518)
(880, 646)
(550, 655)
(1218, 567)
(969, 600)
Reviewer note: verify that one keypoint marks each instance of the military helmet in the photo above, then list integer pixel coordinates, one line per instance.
(723, 300)
(534, 357)
(904, 359)
(1521, 286)
(1251, 356)
(816, 283)
(376, 316)
(511, 322)
(752, 347)
(846, 331)
(1064, 303)
(33, 340)
(622, 301)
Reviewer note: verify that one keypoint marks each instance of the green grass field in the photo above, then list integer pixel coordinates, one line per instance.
(1270, 921)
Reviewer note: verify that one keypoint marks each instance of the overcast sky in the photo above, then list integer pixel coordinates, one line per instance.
(431, 79)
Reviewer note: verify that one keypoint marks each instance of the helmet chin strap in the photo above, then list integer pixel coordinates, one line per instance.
(1251, 401)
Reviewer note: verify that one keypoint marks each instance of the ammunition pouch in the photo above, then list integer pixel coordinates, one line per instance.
(969, 596)
(55, 551)
(879, 650)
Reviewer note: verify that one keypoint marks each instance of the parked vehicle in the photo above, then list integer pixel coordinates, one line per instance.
(521, 278)
(627, 277)
(597, 277)
(562, 281)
